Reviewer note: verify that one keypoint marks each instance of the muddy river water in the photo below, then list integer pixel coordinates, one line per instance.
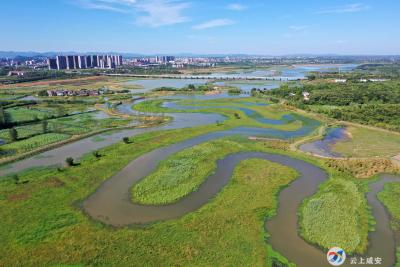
(111, 202)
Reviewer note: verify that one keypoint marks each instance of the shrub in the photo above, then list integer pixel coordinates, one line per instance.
(96, 154)
(13, 134)
(126, 140)
(15, 179)
(69, 161)
(44, 126)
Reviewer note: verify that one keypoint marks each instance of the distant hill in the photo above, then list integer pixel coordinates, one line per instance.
(33, 54)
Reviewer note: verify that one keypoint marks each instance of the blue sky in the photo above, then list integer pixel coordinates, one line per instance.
(266, 27)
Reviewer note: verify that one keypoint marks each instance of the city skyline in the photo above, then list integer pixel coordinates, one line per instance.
(203, 27)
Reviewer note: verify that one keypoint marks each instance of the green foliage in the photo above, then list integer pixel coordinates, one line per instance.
(15, 178)
(228, 231)
(338, 94)
(384, 70)
(13, 134)
(398, 257)
(380, 115)
(364, 142)
(69, 161)
(373, 103)
(337, 216)
(23, 114)
(390, 197)
(42, 93)
(34, 142)
(96, 154)
(44, 126)
(3, 118)
(234, 91)
(182, 173)
(126, 140)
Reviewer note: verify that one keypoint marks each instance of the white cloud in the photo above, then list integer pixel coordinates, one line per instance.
(298, 27)
(152, 13)
(236, 7)
(161, 12)
(351, 8)
(213, 23)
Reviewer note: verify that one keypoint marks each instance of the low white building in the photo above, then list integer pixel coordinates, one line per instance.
(306, 96)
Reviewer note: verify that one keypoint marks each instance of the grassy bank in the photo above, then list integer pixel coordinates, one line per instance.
(365, 142)
(44, 227)
(390, 197)
(233, 111)
(183, 172)
(337, 215)
(398, 257)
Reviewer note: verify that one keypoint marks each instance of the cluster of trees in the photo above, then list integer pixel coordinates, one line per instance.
(155, 70)
(338, 94)
(370, 103)
(36, 75)
(388, 70)
(4, 71)
(4, 118)
(190, 87)
(380, 115)
(365, 71)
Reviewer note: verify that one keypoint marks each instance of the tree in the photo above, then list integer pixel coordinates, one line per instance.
(61, 111)
(3, 116)
(15, 179)
(96, 154)
(44, 126)
(191, 87)
(42, 93)
(13, 134)
(69, 161)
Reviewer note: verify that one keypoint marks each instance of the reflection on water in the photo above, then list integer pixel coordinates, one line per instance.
(284, 74)
(151, 84)
(324, 147)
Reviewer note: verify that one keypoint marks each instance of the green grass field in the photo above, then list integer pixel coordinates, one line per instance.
(21, 114)
(31, 136)
(369, 143)
(23, 132)
(44, 226)
(33, 143)
(337, 215)
(398, 257)
(185, 171)
(273, 111)
(390, 197)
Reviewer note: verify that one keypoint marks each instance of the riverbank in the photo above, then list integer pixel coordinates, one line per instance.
(46, 203)
(65, 224)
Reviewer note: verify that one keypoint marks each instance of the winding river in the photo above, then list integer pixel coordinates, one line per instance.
(79, 148)
(111, 202)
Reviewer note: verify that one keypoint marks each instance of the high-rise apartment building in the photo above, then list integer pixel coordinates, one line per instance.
(52, 62)
(61, 62)
(72, 62)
